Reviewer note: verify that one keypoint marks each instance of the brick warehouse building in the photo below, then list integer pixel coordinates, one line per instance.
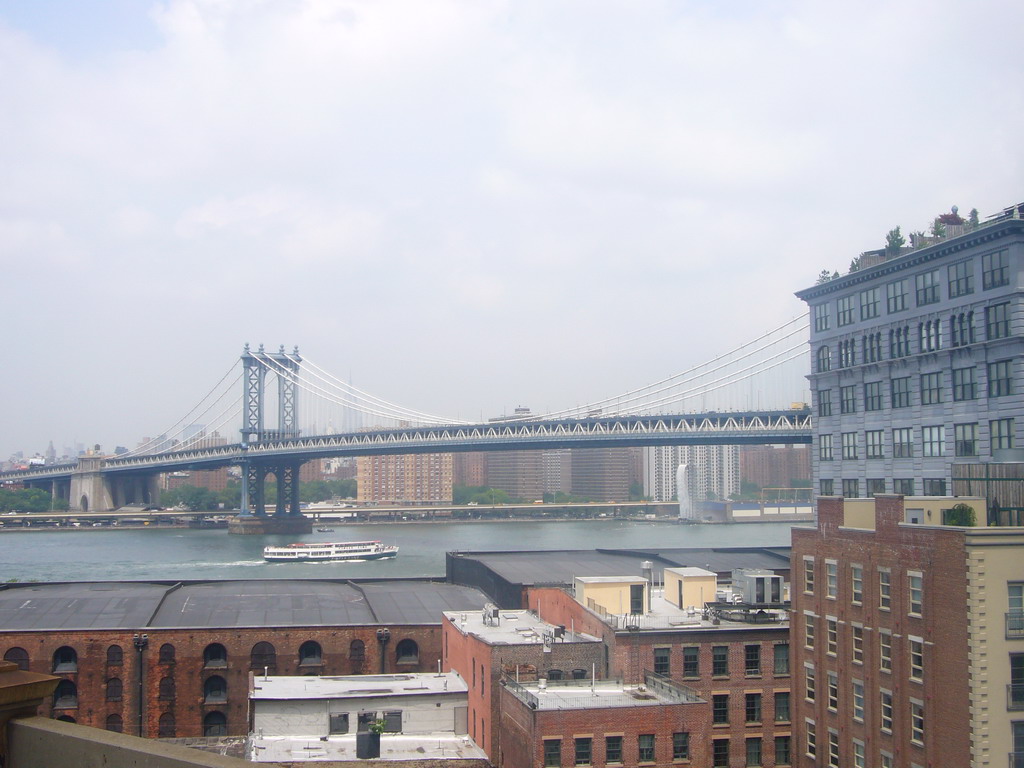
(738, 668)
(908, 638)
(197, 643)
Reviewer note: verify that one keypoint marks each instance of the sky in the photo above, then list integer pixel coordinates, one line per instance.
(462, 205)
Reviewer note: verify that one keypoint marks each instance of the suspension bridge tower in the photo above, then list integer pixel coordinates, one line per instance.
(287, 516)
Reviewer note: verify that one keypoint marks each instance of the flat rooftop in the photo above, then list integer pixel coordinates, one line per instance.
(599, 694)
(512, 628)
(280, 687)
(393, 746)
(229, 604)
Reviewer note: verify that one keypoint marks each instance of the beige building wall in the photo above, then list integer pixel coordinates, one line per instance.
(686, 587)
(409, 479)
(607, 593)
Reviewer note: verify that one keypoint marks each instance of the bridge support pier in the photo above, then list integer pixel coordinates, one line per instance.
(252, 518)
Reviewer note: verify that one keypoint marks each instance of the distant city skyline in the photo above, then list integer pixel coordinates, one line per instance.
(461, 208)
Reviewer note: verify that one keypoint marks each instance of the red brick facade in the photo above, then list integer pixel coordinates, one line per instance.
(939, 684)
(180, 696)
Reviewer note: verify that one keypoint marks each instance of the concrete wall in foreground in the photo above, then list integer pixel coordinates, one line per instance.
(38, 742)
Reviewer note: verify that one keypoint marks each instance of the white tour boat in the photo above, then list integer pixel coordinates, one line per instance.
(326, 551)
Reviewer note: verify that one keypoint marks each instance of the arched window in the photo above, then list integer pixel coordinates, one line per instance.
(115, 656)
(65, 659)
(115, 723)
(65, 695)
(263, 655)
(357, 650)
(824, 358)
(114, 689)
(215, 724)
(166, 689)
(166, 727)
(18, 656)
(215, 655)
(166, 653)
(215, 690)
(407, 652)
(579, 674)
(310, 654)
(555, 674)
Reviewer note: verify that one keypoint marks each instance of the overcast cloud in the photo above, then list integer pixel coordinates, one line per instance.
(464, 206)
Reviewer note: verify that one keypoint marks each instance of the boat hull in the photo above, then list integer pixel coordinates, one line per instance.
(330, 552)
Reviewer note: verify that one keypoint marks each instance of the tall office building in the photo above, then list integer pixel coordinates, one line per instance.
(602, 474)
(714, 471)
(916, 362)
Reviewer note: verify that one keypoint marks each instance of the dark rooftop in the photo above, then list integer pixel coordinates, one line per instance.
(271, 603)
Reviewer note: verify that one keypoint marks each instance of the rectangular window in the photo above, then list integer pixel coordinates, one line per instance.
(869, 304)
(782, 713)
(720, 753)
(915, 593)
(663, 661)
(901, 392)
(691, 661)
(859, 754)
(927, 287)
(810, 682)
(338, 723)
(934, 486)
(781, 659)
(902, 443)
(885, 711)
(821, 317)
(873, 396)
(916, 659)
(393, 721)
(826, 487)
(857, 643)
(752, 660)
(966, 439)
(583, 751)
(681, 745)
(1000, 378)
(884, 589)
(995, 269)
(808, 575)
(783, 750)
(886, 760)
(896, 296)
(848, 399)
(552, 753)
(903, 486)
(613, 749)
(1001, 433)
(753, 707)
(824, 402)
(997, 321)
(645, 743)
(825, 447)
(917, 721)
(809, 628)
(754, 751)
(964, 385)
(874, 443)
(831, 636)
(856, 584)
(720, 708)
(833, 691)
(720, 661)
(858, 700)
(833, 749)
(851, 489)
(931, 388)
(884, 651)
(961, 279)
(845, 311)
(849, 445)
(811, 738)
(831, 579)
(933, 440)
(876, 486)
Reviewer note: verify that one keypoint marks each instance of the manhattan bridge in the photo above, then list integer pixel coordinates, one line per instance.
(275, 410)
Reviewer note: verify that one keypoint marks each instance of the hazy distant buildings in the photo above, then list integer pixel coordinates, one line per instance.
(775, 466)
(602, 474)
(714, 471)
(520, 474)
(469, 469)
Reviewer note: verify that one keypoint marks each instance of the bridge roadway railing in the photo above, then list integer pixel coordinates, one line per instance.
(791, 426)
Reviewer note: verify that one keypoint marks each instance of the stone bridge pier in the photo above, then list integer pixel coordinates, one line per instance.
(93, 490)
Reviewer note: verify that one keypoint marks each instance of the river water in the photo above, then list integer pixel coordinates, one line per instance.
(183, 554)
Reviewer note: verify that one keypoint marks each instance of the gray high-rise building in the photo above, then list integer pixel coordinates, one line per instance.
(916, 362)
